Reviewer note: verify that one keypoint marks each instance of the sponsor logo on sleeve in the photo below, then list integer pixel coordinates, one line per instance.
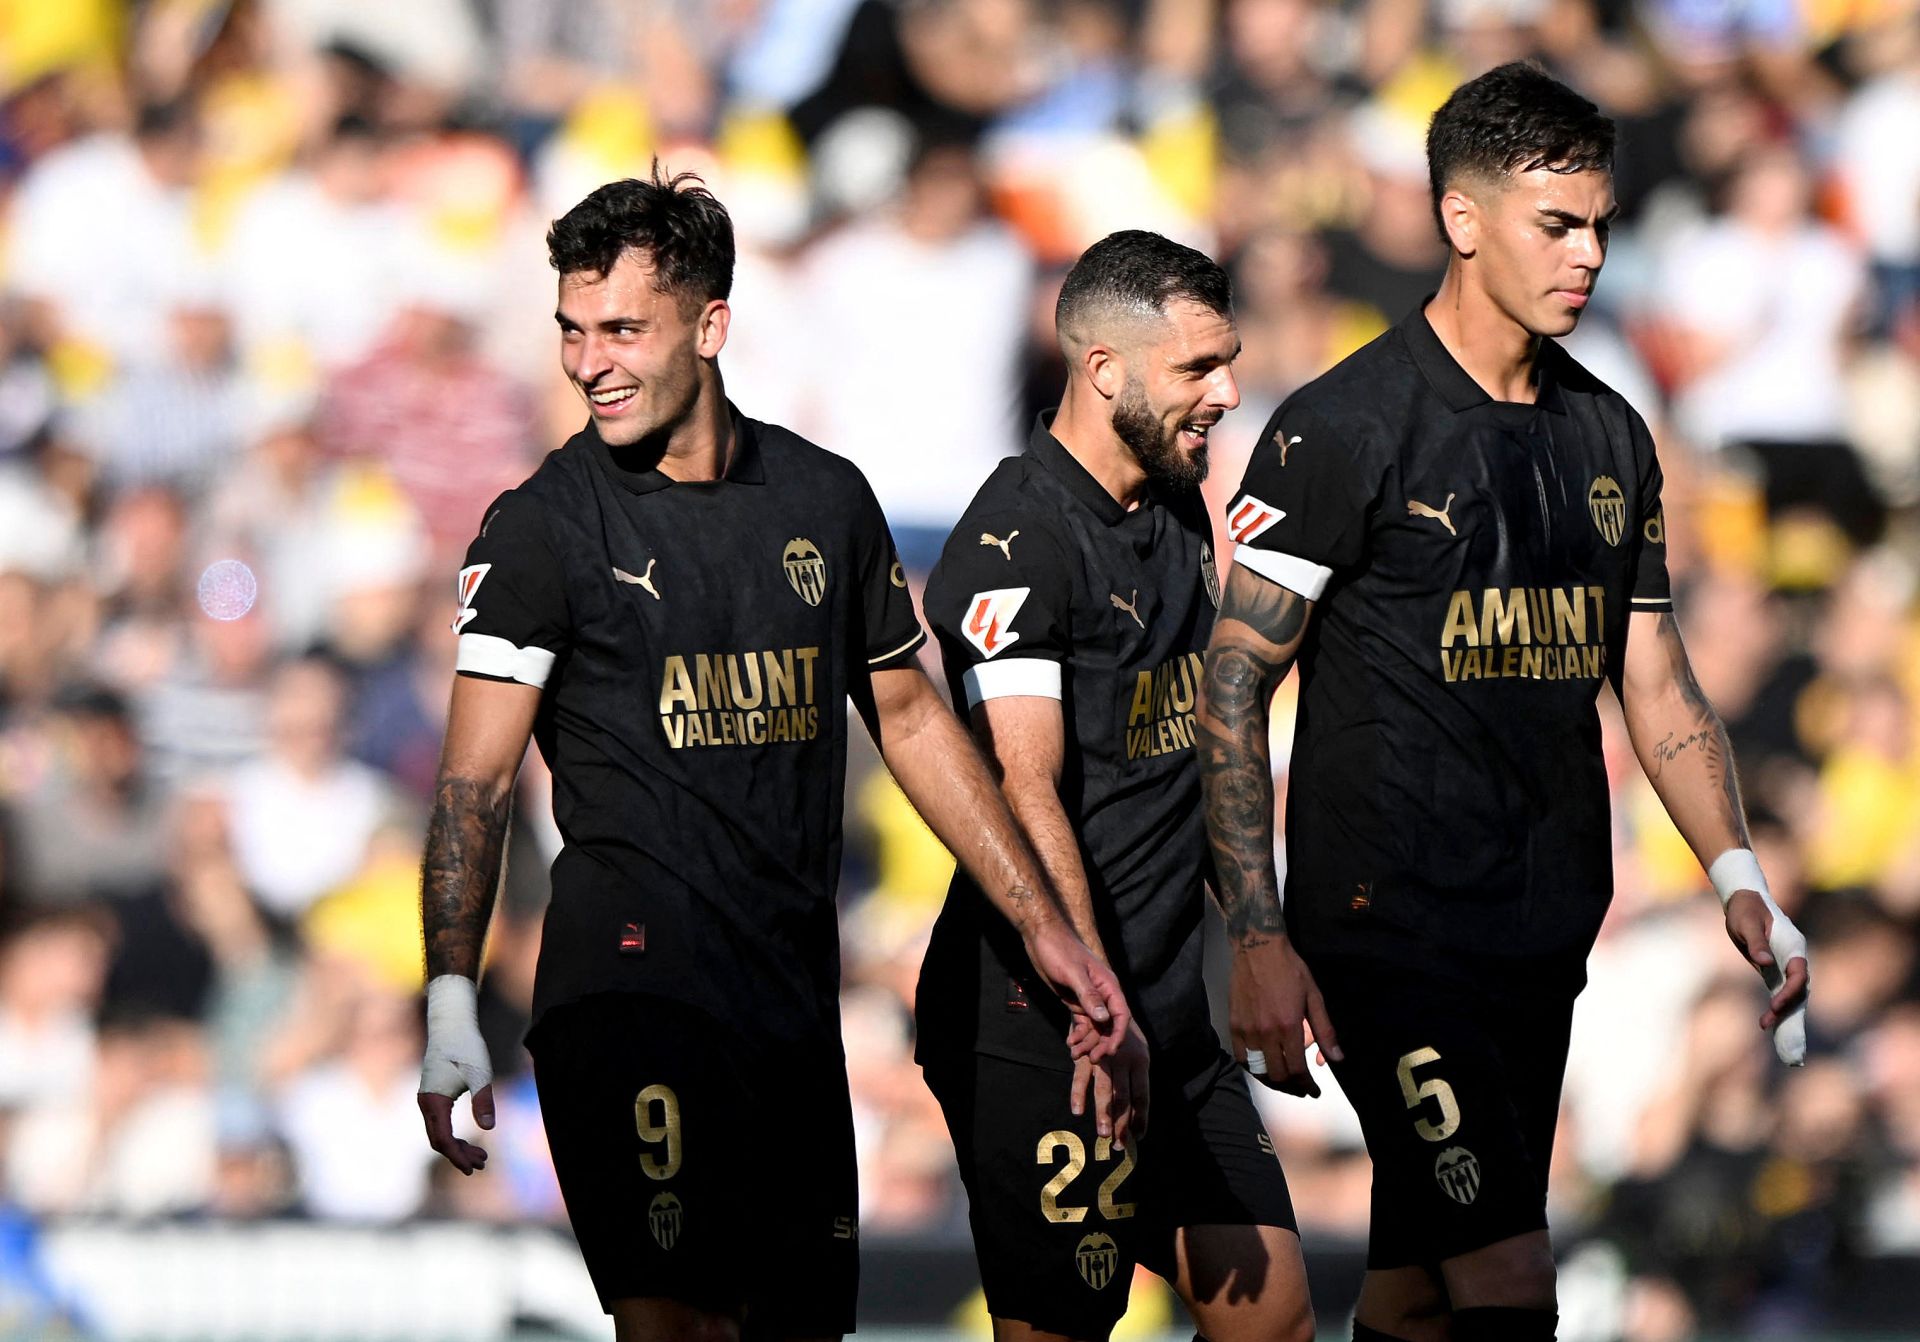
(466, 587)
(1250, 518)
(989, 621)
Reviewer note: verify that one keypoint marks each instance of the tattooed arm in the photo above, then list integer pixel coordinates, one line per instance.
(1683, 746)
(488, 727)
(1255, 640)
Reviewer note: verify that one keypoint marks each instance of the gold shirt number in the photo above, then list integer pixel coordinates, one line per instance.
(662, 1130)
(1110, 1205)
(1434, 1089)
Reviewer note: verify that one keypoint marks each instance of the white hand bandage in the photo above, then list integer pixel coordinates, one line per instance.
(456, 1058)
(1256, 1062)
(1738, 869)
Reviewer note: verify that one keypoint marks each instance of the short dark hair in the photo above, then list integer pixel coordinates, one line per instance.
(684, 231)
(1514, 118)
(1143, 272)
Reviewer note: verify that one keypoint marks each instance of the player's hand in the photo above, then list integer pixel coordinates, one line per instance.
(1272, 1001)
(1775, 947)
(456, 1061)
(1086, 986)
(1119, 1086)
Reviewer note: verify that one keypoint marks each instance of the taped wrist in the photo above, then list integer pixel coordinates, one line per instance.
(1738, 869)
(456, 1058)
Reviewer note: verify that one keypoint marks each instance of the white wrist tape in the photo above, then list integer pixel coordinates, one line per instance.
(456, 1058)
(1738, 869)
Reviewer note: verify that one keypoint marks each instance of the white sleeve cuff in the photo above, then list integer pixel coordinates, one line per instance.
(1294, 574)
(485, 655)
(1000, 680)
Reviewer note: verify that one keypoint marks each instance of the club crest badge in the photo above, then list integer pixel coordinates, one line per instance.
(806, 570)
(1609, 508)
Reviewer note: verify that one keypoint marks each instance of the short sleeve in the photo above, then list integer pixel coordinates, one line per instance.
(892, 631)
(1301, 512)
(1652, 588)
(1000, 600)
(512, 622)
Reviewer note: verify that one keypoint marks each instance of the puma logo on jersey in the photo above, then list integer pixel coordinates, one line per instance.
(466, 587)
(1415, 508)
(989, 621)
(1251, 517)
(644, 580)
(1006, 546)
(1130, 607)
(1284, 443)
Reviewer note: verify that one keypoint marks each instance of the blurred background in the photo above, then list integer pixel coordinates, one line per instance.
(275, 326)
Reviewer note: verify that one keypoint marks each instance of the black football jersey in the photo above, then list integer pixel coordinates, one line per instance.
(696, 644)
(1049, 586)
(1473, 564)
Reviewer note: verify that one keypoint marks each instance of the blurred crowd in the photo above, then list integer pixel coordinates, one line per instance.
(275, 327)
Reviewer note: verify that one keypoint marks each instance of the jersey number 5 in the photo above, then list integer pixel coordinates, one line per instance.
(1076, 1161)
(1434, 1089)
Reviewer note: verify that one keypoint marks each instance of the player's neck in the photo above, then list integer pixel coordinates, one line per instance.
(699, 446)
(1086, 432)
(1496, 351)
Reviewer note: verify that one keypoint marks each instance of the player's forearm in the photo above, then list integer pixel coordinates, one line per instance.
(460, 873)
(1683, 746)
(937, 765)
(1236, 776)
(1036, 804)
(1256, 638)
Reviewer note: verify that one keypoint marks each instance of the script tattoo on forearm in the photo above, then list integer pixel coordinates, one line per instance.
(465, 838)
(1709, 736)
(1235, 769)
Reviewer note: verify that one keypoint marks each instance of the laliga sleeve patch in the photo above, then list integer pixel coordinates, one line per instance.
(465, 588)
(989, 621)
(1250, 517)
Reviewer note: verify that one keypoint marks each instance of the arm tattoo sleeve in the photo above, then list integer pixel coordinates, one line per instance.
(1242, 673)
(1709, 735)
(461, 871)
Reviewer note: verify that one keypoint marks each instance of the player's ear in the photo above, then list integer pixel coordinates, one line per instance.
(1460, 215)
(1105, 369)
(710, 328)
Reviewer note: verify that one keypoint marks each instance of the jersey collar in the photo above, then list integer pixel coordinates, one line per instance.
(1051, 453)
(1454, 384)
(744, 468)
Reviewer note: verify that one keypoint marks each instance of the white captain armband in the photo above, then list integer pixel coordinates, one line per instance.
(486, 655)
(1300, 576)
(1738, 869)
(1035, 676)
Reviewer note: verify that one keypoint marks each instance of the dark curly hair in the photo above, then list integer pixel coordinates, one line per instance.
(683, 230)
(1514, 118)
(1141, 272)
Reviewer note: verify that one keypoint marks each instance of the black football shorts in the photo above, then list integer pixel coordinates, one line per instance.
(697, 1171)
(1060, 1217)
(1454, 1068)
